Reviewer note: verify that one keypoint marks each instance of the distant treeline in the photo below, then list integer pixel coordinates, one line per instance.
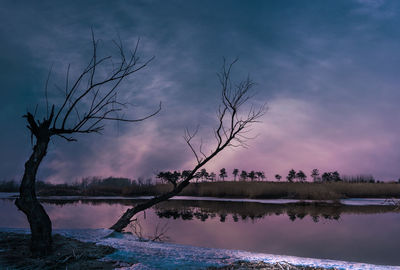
(111, 186)
(88, 185)
(237, 175)
(93, 186)
(120, 185)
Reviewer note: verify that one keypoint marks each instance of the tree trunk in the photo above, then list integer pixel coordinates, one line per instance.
(39, 221)
(124, 221)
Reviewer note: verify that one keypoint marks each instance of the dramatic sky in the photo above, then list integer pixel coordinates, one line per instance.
(328, 70)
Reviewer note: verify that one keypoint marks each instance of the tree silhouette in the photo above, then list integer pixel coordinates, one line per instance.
(87, 102)
(232, 126)
(326, 177)
(185, 173)
(243, 175)
(171, 177)
(204, 174)
(212, 176)
(235, 174)
(161, 176)
(315, 175)
(197, 176)
(260, 175)
(291, 175)
(252, 175)
(278, 177)
(223, 174)
(336, 176)
(301, 176)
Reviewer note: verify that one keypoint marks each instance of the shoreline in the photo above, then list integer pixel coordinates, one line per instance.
(341, 202)
(73, 254)
(68, 253)
(104, 249)
(228, 189)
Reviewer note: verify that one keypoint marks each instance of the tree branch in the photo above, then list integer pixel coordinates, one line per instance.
(232, 98)
(92, 98)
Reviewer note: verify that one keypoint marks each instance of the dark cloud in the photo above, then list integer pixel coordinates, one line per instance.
(329, 72)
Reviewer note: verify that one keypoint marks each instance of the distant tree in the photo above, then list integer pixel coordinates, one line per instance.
(175, 177)
(169, 177)
(260, 175)
(235, 174)
(197, 176)
(336, 176)
(85, 182)
(223, 174)
(9, 186)
(161, 176)
(315, 175)
(86, 103)
(331, 177)
(140, 181)
(252, 175)
(243, 175)
(230, 132)
(278, 177)
(291, 175)
(185, 173)
(326, 177)
(212, 176)
(301, 176)
(149, 181)
(203, 174)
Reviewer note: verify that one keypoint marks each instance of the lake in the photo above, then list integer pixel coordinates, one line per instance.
(357, 231)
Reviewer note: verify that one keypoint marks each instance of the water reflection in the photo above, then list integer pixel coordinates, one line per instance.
(202, 210)
(189, 214)
(187, 210)
(354, 233)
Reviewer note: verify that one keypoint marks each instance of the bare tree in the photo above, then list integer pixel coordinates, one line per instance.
(230, 132)
(87, 102)
(235, 174)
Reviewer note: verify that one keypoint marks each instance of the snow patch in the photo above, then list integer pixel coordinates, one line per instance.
(153, 255)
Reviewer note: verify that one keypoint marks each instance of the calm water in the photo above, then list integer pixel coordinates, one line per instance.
(354, 233)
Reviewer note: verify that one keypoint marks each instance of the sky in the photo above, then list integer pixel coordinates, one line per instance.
(328, 71)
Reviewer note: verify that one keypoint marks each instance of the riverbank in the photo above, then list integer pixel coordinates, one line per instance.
(246, 190)
(73, 254)
(221, 189)
(104, 249)
(68, 254)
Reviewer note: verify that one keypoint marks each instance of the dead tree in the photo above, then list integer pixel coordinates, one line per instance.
(230, 132)
(87, 102)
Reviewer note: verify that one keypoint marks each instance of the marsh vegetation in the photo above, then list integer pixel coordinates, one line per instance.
(221, 189)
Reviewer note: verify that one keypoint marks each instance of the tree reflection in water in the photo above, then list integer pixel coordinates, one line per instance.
(318, 211)
(203, 210)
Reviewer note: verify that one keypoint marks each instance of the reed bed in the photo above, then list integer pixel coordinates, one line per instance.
(231, 189)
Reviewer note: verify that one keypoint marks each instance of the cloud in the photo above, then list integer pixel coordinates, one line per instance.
(293, 134)
(328, 72)
(378, 9)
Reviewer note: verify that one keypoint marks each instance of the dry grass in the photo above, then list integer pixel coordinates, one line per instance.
(67, 254)
(253, 190)
(310, 191)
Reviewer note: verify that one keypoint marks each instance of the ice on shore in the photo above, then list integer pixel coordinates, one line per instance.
(353, 201)
(154, 255)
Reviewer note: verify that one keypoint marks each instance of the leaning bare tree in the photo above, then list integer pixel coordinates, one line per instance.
(231, 131)
(87, 102)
